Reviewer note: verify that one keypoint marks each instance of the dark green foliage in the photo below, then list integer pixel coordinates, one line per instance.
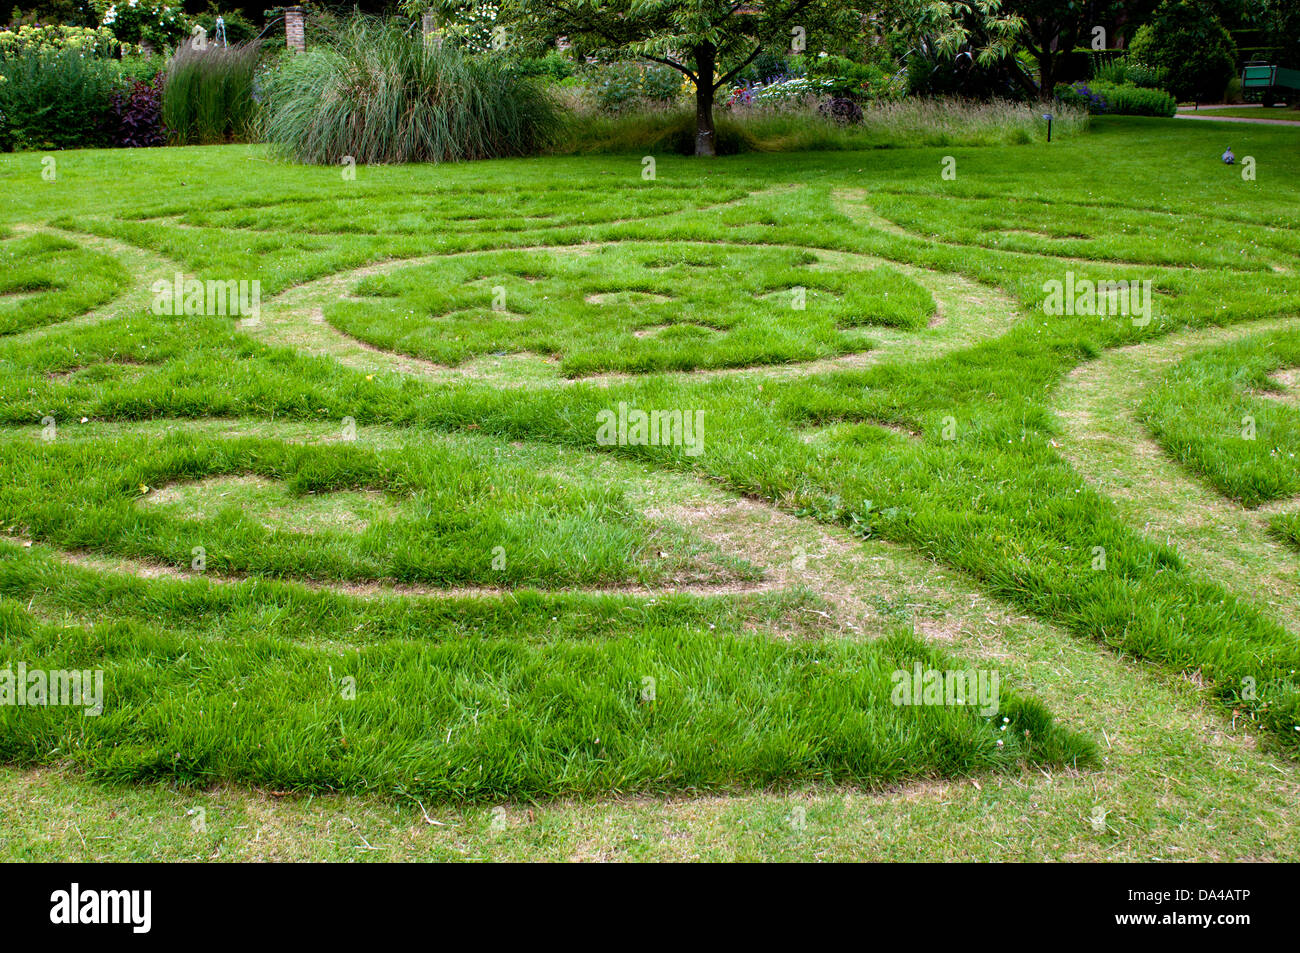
(239, 29)
(1186, 39)
(1124, 71)
(553, 66)
(54, 100)
(935, 74)
(619, 87)
(1100, 97)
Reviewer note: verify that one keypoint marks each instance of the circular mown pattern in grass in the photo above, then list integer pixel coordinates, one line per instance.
(45, 279)
(527, 702)
(464, 511)
(1223, 412)
(591, 306)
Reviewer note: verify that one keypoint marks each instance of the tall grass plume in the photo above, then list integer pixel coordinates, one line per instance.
(382, 95)
(208, 94)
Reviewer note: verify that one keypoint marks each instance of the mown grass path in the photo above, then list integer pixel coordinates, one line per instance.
(1097, 405)
(1177, 780)
(805, 460)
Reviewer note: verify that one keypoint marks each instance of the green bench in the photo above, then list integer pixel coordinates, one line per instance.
(1269, 83)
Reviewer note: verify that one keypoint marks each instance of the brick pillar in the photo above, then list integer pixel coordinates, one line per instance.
(295, 37)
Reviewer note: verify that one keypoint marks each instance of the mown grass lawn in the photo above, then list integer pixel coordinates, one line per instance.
(373, 546)
(1275, 113)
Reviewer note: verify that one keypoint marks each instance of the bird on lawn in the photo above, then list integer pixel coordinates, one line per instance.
(1228, 157)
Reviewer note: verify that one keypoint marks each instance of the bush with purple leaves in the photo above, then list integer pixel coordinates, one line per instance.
(135, 114)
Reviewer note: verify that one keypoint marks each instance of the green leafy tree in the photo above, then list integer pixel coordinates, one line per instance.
(710, 42)
(1280, 22)
(1055, 28)
(1187, 39)
(981, 32)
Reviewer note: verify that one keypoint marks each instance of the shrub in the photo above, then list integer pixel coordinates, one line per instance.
(875, 77)
(1080, 95)
(39, 39)
(884, 85)
(1185, 38)
(841, 77)
(1117, 100)
(1148, 77)
(1279, 22)
(617, 87)
(554, 67)
(137, 23)
(1113, 71)
(468, 25)
(135, 114)
(768, 67)
(380, 95)
(55, 99)
(797, 91)
(840, 110)
(139, 68)
(934, 74)
(207, 94)
(1136, 101)
(1129, 72)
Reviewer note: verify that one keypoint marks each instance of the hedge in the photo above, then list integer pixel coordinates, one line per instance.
(1116, 100)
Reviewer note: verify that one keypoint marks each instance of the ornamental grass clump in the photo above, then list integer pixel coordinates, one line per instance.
(382, 95)
(208, 93)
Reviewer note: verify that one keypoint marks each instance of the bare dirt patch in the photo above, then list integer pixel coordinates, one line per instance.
(1288, 380)
(626, 297)
(271, 505)
(654, 330)
(147, 569)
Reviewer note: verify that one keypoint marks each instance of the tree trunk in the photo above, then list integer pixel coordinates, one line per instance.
(1046, 74)
(705, 140)
(1025, 82)
(1044, 36)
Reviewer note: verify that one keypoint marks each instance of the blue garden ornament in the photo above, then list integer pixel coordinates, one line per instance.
(1228, 157)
